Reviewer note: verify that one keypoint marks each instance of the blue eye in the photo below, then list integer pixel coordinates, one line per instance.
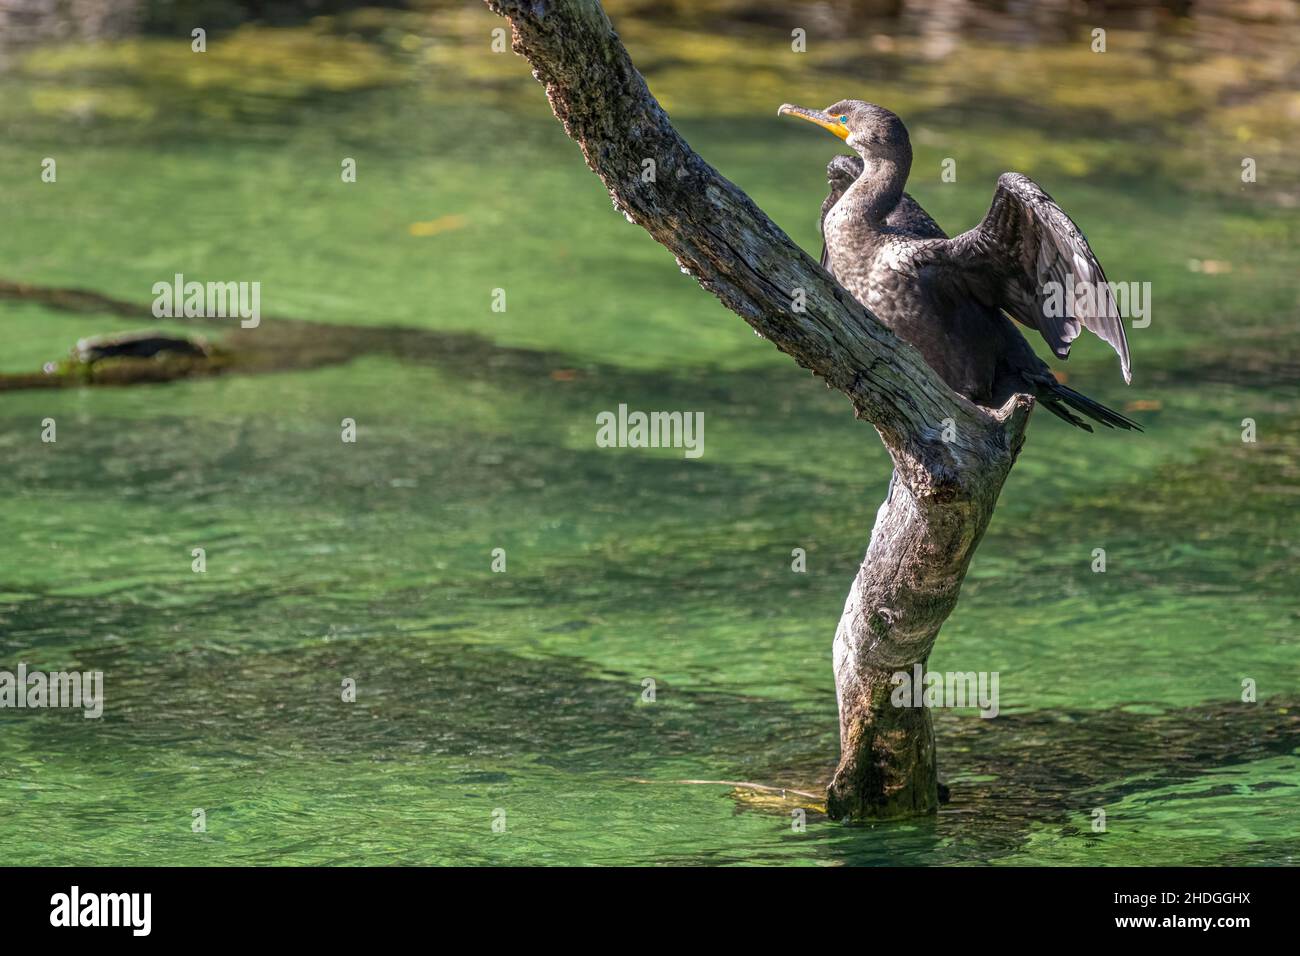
(844, 120)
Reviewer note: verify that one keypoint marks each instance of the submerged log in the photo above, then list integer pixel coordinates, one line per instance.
(128, 358)
(138, 345)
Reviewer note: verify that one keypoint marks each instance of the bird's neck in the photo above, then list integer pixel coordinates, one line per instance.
(877, 191)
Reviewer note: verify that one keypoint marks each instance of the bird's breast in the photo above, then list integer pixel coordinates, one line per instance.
(868, 263)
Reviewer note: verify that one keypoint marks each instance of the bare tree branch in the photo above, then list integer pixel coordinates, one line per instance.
(951, 456)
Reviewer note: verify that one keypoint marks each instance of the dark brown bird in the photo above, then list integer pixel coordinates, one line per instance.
(950, 298)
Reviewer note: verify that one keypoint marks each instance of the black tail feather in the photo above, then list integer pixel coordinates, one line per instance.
(1054, 395)
(1063, 413)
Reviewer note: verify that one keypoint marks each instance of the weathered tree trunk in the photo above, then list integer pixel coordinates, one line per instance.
(950, 456)
(920, 549)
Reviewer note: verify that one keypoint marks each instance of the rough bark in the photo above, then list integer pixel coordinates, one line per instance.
(950, 456)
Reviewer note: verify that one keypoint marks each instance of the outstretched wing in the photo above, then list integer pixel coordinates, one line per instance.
(1028, 258)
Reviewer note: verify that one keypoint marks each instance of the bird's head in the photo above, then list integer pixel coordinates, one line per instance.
(872, 131)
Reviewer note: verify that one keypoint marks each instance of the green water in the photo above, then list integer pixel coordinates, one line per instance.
(521, 692)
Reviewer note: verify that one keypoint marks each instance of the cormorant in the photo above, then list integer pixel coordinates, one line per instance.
(950, 298)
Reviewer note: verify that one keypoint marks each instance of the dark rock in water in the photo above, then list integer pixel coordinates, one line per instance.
(137, 345)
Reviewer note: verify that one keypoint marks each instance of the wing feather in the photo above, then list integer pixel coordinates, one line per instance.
(1031, 258)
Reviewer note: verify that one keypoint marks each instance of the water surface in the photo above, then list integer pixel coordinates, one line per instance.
(522, 692)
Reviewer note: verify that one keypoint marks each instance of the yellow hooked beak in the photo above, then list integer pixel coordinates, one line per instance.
(823, 120)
